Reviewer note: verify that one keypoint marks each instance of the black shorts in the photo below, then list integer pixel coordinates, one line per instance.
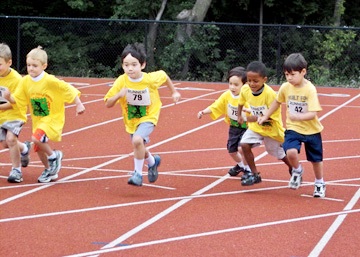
(235, 135)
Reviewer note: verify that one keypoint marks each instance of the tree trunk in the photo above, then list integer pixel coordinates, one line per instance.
(197, 13)
(338, 11)
(151, 36)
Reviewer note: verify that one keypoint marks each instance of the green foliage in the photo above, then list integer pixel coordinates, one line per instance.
(201, 52)
(333, 52)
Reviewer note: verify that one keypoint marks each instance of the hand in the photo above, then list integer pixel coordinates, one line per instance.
(80, 109)
(176, 96)
(262, 119)
(200, 114)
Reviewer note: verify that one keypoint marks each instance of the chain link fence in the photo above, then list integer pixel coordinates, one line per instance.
(185, 50)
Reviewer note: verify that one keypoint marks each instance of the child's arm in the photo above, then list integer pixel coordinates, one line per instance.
(273, 107)
(240, 117)
(110, 102)
(5, 106)
(5, 93)
(80, 108)
(302, 116)
(174, 93)
(205, 111)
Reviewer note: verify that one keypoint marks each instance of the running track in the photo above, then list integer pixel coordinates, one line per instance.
(195, 208)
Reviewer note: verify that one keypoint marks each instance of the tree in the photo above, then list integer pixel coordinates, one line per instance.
(338, 12)
(197, 13)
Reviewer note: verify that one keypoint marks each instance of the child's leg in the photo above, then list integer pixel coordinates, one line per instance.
(240, 151)
(139, 139)
(318, 171)
(12, 143)
(139, 153)
(293, 157)
(249, 157)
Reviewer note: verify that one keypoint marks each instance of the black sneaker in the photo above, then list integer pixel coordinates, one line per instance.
(245, 175)
(251, 179)
(234, 171)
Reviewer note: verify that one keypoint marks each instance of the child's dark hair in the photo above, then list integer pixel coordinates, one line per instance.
(137, 50)
(257, 67)
(294, 62)
(239, 72)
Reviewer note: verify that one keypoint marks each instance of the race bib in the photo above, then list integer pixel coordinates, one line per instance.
(232, 112)
(297, 107)
(138, 97)
(258, 111)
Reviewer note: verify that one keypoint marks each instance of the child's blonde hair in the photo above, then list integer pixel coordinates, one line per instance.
(38, 54)
(5, 52)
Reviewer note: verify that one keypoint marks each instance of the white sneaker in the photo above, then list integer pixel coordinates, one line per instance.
(320, 189)
(295, 180)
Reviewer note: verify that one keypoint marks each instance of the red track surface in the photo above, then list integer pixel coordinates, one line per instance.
(195, 208)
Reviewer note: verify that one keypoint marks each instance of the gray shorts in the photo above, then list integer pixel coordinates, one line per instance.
(272, 146)
(144, 130)
(14, 126)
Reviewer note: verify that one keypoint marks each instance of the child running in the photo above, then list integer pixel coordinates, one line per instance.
(227, 105)
(259, 96)
(302, 123)
(46, 96)
(137, 93)
(12, 118)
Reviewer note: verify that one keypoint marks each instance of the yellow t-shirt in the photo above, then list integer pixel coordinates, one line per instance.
(142, 102)
(11, 81)
(227, 105)
(259, 105)
(46, 99)
(301, 100)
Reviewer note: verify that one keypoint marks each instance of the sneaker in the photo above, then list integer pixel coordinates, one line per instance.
(55, 164)
(251, 179)
(234, 171)
(25, 159)
(15, 176)
(319, 190)
(295, 180)
(136, 179)
(47, 177)
(152, 171)
(245, 175)
(54, 168)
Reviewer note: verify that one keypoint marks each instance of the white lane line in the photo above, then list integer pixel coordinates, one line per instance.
(168, 210)
(214, 232)
(336, 224)
(105, 163)
(127, 204)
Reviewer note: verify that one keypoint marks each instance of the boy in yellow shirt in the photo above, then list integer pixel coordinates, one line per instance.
(302, 123)
(12, 118)
(138, 95)
(259, 96)
(46, 96)
(227, 105)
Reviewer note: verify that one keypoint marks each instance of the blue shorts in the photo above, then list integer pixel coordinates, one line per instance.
(235, 135)
(144, 130)
(313, 144)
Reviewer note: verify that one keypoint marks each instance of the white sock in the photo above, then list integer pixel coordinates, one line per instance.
(138, 163)
(319, 181)
(241, 164)
(246, 167)
(150, 160)
(52, 156)
(298, 169)
(25, 150)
